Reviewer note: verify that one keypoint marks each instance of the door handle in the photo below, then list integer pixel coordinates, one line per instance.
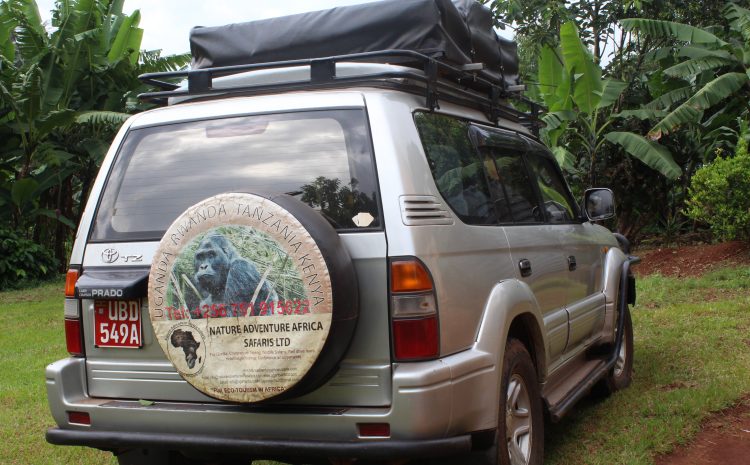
(572, 265)
(525, 266)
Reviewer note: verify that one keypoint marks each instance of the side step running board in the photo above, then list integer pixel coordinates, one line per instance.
(559, 409)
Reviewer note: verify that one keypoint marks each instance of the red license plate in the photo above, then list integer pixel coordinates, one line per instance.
(117, 323)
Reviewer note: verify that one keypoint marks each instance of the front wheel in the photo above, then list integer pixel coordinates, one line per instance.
(622, 373)
(520, 432)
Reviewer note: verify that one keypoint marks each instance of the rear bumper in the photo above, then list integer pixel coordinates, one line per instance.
(436, 405)
(289, 448)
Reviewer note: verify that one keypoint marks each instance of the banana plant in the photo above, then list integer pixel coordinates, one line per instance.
(582, 109)
(712, 70)
(63, 94)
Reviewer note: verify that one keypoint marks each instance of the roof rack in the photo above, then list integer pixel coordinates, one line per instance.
(440, 81)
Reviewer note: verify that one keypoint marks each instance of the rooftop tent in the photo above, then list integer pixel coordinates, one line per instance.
(499, 55)
(457, 32)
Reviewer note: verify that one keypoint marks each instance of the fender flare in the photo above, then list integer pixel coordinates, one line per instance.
(611, 287)
(508, 300)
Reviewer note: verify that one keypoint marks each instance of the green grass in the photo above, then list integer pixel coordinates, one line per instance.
(31, 337)
(692, 357)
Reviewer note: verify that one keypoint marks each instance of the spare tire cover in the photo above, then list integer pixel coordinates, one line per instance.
(246, 293)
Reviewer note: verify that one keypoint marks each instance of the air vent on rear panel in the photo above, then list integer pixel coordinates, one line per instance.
(423, 210)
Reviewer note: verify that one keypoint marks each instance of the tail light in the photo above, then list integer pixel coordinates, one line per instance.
(71, 277)
(414, 318)
(73, 332)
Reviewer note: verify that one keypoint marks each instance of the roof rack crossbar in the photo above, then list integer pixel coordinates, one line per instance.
(402, 55)
(233, 69)
(323, 74)
(199, 81)
(322, 71)
(167, 86)
(431, 73)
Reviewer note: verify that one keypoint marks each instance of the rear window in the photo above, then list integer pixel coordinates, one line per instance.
(323, 158)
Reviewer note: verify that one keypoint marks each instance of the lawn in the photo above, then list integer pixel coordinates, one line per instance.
(692, 357)
(32, 337)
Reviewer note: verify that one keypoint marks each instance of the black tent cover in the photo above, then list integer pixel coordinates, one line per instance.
(457, 32)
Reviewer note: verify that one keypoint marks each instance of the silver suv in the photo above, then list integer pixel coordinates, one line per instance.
(335, 260)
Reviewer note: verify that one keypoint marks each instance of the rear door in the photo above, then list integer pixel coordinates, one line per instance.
(534, 244)
(321, 156)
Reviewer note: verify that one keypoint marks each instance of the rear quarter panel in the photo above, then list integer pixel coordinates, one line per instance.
(465, 261)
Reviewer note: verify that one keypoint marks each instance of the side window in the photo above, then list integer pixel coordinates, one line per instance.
(516, 185)
(495, 183)
(557, 203)
(458, 171)
(517, 202)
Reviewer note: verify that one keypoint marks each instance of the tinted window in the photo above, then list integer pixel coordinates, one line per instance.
(321, 157)
(517, 201)
(557, 204)
(517, 187)
(494, 181)
(456, 167)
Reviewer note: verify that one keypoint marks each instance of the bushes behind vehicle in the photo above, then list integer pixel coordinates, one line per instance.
(22, 261)
(718, 195)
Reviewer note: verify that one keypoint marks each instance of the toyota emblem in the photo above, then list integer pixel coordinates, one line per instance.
(110, 255)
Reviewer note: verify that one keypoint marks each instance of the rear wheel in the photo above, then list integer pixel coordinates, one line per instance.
(520, 432)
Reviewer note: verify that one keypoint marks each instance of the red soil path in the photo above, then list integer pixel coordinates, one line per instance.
(724, 438)
(692, 260)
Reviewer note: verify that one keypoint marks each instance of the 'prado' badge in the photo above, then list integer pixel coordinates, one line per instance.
(240, 298)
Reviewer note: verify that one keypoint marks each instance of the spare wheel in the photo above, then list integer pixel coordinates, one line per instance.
(252, 297)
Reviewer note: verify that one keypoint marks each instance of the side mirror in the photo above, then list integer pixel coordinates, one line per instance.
(599, 204)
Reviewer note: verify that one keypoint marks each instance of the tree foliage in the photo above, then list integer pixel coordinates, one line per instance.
(542, 20)
(674, 83)
(63, 95)
(582, 110)
(718, 195)
(716, 69)
(23, 260)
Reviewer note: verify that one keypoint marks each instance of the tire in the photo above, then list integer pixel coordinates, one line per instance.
(520, 438)
(266, 283)
(345, 290)
(621, 375)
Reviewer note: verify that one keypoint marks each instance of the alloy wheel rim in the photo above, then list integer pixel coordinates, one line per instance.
(518, 421)
(620, 362)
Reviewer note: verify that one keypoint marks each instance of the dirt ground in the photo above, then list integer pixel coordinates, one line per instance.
(724, 438)
(692, 260)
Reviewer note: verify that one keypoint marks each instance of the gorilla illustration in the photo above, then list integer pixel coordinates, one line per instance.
(188, 343)
(222, 276)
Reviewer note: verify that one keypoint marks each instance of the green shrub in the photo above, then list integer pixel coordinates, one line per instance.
(23, 261)
(719, 195)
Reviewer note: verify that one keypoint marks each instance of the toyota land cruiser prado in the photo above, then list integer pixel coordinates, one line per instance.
(339, 243)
